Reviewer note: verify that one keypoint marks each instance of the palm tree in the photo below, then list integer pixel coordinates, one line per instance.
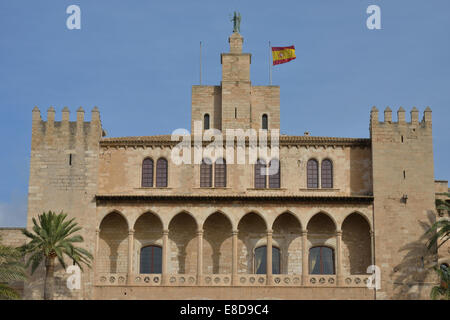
(439, 234)
(53, 238)
(11, 269)
(443, 289)
(440, 230)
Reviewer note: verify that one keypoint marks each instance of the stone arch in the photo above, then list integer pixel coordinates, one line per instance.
(287, 232)
(217, 244)
(264, 219)
(183, 244)
(356, 244)
(362, 215)
(184, 212)
(330, 216)
(147, 231)
(113, 244)
(251, 228)
(202, 223)
(110, 212)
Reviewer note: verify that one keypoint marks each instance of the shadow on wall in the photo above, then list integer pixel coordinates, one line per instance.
(414, 273)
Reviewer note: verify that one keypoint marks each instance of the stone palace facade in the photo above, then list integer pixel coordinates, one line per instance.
(222, 230)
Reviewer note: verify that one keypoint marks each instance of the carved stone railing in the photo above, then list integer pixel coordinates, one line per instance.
(321, 280)
(287, 280)
(147, 279)
(221, 280)
(179, 280)
(111, 279)
(356, 280)
(249, 280)
(216, 280)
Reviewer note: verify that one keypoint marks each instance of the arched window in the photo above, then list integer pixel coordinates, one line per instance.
(274, 173)
(321, 260)
(161, 173)
(151, 259)
(206, 121)
(327, 174)
(260, 262)
(265, 122)
(220, 173)
(147, 173)
(260, 174)
(206, 174)
(312, 169)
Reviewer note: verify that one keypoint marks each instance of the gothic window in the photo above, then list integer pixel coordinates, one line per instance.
(321, 260)
(265, 122)
(220, 173)
(274, 173)
(161, 173)
(327, 174)
(260, 174)
(147, 173)
(312, 169)
(206, 122)
(260, 262)
(151, 259)
(206, 174)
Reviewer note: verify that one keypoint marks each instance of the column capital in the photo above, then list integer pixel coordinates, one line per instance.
(131, 232)
(199, 232)
(97, 230)
(339, 233)
(304, 232)
(269, 231)
(371, 233)
(165, 232)
(234, 232)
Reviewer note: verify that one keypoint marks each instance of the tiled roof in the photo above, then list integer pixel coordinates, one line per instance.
(284, 140)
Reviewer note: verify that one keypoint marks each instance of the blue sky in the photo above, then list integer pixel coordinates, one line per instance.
(136, 60)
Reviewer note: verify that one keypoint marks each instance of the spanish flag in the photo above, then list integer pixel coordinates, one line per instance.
(283, 54)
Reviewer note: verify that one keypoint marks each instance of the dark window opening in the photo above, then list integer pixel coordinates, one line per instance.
(147, 173)
(206, 174)
(321, 260)
(274, 174)
(206, 122)
(260, 174)
(260, 262)
(151, 259)
(161, 173)
(265, 122)
(220, 173)
(312, 168)
(327, 174)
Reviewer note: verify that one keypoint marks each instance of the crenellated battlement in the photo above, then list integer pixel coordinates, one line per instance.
(414, 117)
(66, 134)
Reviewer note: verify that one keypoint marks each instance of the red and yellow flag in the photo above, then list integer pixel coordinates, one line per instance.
(283, 54)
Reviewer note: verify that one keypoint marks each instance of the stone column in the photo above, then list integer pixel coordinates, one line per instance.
(305, 270)
(165, 252)
(199, 256)
(269, 257)
(97, 239)
(339, 257)
(234, 258)
(130, 255)
(372, 247)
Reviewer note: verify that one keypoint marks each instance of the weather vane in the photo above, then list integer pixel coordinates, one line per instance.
(236, 22)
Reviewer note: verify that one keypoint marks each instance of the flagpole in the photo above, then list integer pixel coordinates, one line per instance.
(270, 64)
(200, 63)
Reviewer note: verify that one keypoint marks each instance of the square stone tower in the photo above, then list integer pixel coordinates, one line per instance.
(236, 103)
(403, 189)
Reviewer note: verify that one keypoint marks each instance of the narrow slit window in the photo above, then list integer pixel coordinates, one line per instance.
(265, 122)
